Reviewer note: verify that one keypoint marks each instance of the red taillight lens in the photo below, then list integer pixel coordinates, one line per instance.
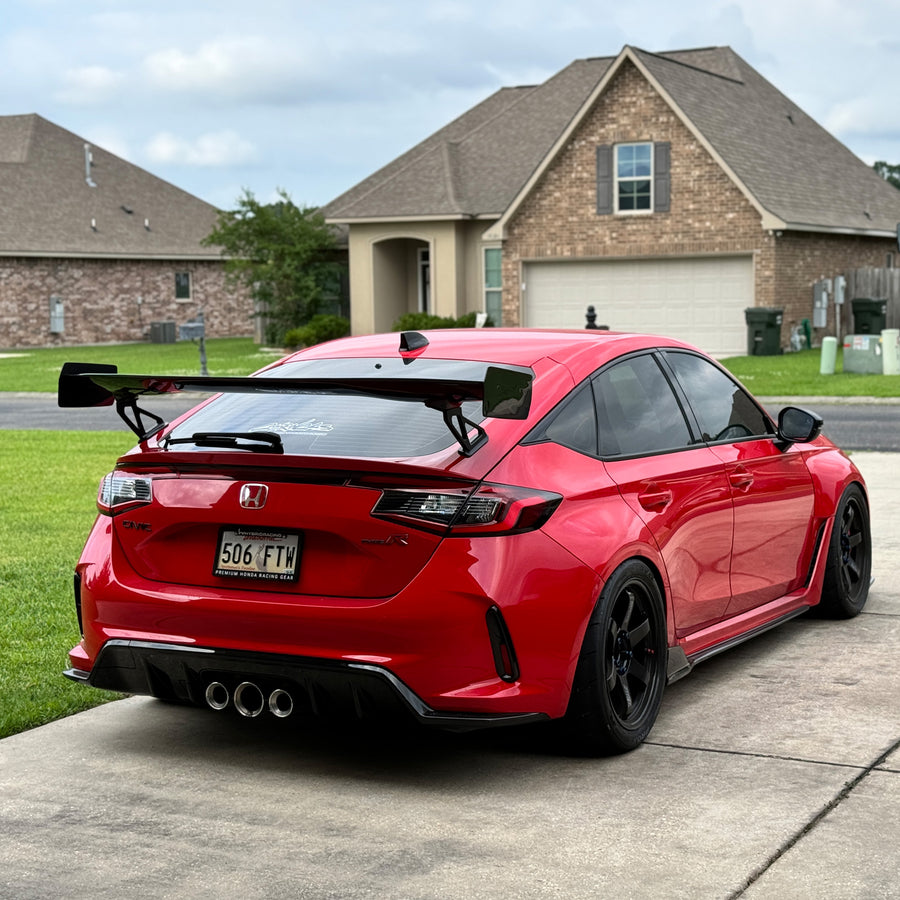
(120, 491)
(491, 509)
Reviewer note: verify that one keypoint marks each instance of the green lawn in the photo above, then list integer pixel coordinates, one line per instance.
(38, 370)
(797, 375)
(43, 524)
(790, 374)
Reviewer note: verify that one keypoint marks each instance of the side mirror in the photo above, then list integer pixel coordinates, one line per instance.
(798, 426)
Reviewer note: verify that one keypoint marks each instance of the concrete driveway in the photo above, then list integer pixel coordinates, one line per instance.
(773, 772)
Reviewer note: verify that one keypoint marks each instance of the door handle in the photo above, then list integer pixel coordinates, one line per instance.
(654, 497)
(741, 479)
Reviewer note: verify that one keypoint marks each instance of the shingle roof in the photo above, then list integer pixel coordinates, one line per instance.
(48, 206)
(476, 164)
(790, 167)
(794, 168)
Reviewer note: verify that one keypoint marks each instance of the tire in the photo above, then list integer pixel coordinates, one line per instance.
(849, 566)
(621, 671)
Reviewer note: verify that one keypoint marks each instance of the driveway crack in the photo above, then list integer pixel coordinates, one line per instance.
(832, 804)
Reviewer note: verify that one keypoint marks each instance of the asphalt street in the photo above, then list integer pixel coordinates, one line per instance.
(772, 772)
(853, 423)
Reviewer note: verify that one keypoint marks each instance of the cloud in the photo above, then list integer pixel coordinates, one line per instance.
(110, 138)
(89, 85)
(227, 69)
(862, 117)
(217, 149)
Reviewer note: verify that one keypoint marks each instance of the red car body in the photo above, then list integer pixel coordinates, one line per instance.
(457, 582)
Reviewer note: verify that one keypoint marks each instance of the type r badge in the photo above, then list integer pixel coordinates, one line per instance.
(254, 496)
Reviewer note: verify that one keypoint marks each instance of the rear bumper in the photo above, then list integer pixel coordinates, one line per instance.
(317, 687)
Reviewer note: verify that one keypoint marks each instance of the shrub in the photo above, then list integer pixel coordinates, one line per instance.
(421, 321)
(468, 321)
(317, 330)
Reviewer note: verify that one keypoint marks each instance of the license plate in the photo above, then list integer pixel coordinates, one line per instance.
(258, 553)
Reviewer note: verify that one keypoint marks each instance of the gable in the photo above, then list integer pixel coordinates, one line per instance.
(792, 168)
(564, 205)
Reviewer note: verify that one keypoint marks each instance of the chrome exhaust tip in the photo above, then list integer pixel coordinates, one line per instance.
(281, 703)
(216, 695)
(249, 700)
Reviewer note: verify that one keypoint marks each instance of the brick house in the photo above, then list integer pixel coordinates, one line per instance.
(670, 191)
(94, 249)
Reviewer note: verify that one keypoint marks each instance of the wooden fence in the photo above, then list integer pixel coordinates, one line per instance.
(875, 284)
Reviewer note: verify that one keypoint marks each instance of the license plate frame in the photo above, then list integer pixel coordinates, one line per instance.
(258, 554)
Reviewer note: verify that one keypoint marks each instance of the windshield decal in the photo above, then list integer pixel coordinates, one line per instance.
(310, 426)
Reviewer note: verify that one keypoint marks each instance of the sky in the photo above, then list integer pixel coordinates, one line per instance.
(311, 96)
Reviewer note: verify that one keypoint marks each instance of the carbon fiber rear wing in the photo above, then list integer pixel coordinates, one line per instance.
(441, 384)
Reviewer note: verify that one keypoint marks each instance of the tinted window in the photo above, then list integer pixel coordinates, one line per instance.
(724, 410)
(575, 425)
(637, 410)
(322, 424)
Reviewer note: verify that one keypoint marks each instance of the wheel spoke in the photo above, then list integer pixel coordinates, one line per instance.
(852, 570)
(847, 577)
(626, 695)
(626, 619)
(638, 634)
(855, 539)
(639, 672)
(611, 676)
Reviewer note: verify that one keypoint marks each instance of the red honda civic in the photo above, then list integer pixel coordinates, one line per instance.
(475, 528)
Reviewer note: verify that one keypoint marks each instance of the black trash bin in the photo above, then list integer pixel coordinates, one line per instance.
(869, 316)
(763, 331)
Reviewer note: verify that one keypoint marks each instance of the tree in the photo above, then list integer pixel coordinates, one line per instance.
(888, 172)
(283, 254)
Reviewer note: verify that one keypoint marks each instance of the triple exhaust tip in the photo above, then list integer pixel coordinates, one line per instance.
(249, 700)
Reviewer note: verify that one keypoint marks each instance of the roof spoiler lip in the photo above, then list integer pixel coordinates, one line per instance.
(504, 389)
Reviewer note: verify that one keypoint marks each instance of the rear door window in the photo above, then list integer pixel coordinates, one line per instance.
(637, 410)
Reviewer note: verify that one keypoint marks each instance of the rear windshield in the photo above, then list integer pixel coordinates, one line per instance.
(320, 424)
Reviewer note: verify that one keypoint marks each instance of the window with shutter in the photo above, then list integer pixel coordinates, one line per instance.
(633, 178)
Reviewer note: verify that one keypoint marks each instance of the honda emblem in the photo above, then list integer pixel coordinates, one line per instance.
(254, 496)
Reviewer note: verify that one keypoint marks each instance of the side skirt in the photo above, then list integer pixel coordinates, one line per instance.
(680, 664)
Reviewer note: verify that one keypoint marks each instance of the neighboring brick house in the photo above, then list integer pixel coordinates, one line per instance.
(94, 249)
(670, 191)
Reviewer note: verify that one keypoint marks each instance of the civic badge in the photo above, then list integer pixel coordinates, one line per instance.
(254, 496)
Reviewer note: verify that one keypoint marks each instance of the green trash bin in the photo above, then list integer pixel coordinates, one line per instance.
(763, 331)
(869, 316)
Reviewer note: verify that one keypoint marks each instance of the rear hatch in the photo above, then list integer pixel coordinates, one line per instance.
(268, 530)
(305, 521)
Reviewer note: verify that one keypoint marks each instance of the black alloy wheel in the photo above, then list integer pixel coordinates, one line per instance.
(622, 668)
(849, 567)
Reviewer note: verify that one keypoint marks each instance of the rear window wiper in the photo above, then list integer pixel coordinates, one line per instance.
(255, 441)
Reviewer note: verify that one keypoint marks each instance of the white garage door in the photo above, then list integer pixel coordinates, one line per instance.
(698, 300)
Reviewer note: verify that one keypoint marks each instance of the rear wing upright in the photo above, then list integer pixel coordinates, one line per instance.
(444, 385)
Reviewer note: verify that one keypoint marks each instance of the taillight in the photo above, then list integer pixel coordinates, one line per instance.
(491, 509)
(120, 491)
